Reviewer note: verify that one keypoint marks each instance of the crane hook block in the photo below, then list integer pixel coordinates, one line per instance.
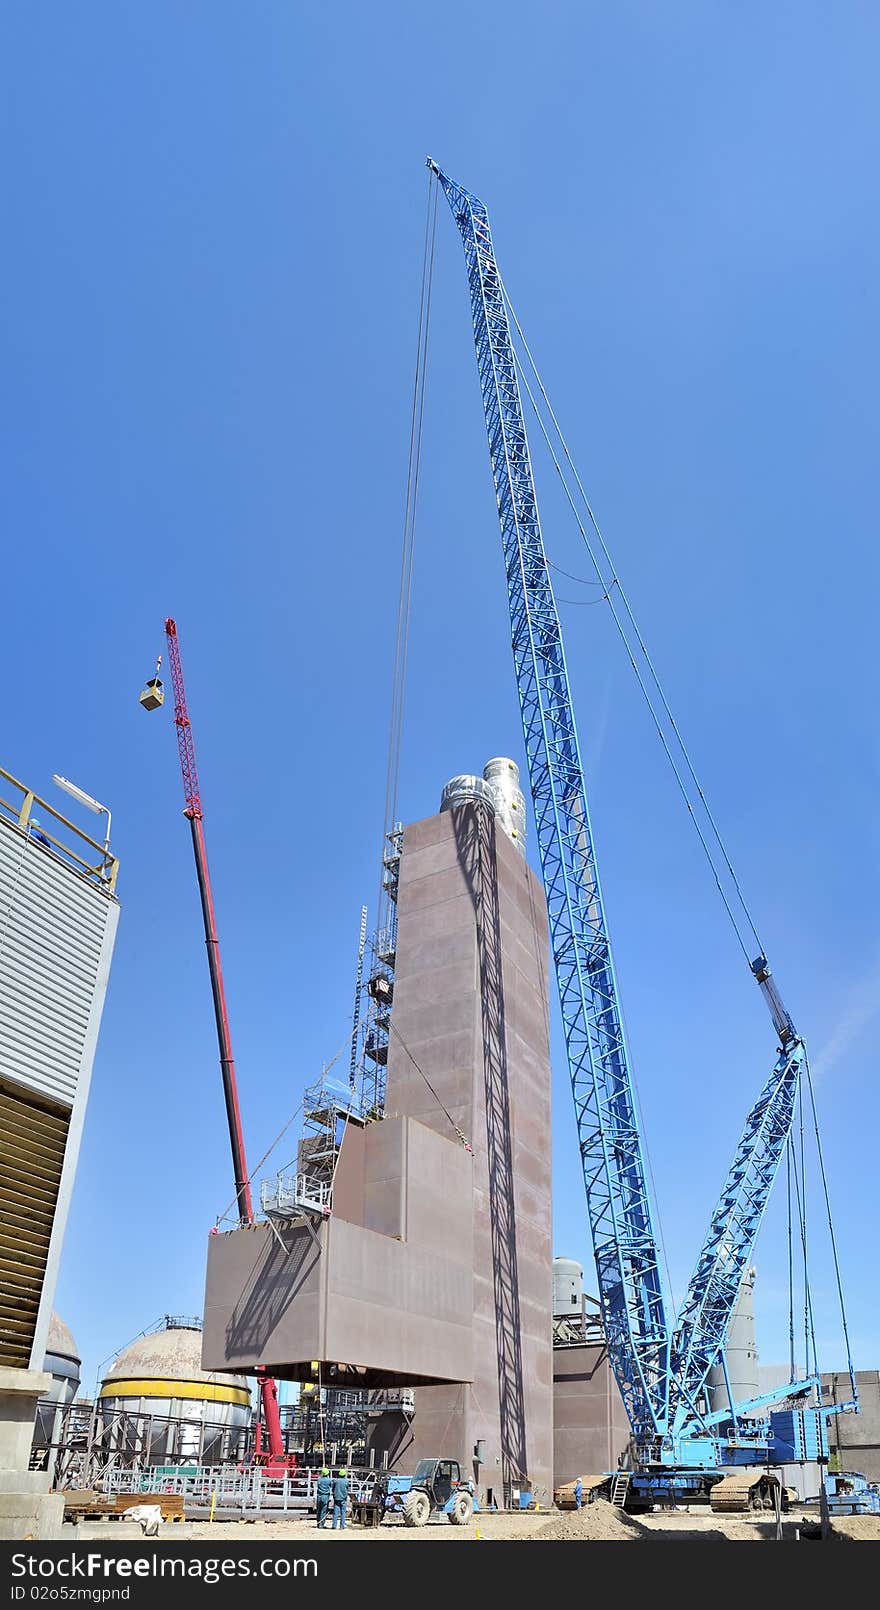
(153, 695)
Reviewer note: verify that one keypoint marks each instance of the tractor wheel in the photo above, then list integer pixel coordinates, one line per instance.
(416, 1507)
(462, 1511)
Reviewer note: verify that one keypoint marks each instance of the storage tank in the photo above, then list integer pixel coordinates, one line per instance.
(741, 1352)
(502, 775)
(464, 790)
(568, 1288)
(175, 1412)
(499, 788)
(62, 1362)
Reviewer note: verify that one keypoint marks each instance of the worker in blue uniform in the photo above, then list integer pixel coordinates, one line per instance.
(322, 1496)
(340, 1499)
(578, 1493)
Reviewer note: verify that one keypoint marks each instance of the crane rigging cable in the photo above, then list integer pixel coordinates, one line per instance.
(662, 1366)
(658, 725)
(792, 1376)
(800, 1196)
(831, 1231)
(404, 605)
(613, 582)
(808, 1297)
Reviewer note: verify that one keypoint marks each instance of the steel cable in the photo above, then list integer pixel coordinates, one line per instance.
(404, 605)
(612, 582)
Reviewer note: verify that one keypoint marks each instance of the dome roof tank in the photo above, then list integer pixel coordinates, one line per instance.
(160, 1376)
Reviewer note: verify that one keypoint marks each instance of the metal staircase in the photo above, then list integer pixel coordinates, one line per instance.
(619, 1489)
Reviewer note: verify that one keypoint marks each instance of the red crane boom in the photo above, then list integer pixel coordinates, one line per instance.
(277, 1459)
(193, 812)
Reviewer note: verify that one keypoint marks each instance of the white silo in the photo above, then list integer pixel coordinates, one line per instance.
(165, 1408)
(502, 775)
(568, 1288)
(741, 1352)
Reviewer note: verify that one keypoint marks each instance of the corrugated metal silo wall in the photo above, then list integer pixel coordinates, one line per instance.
(56, 939)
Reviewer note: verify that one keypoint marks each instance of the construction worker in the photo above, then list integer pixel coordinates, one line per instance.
(578, 1493)
(340, 1499)
(322, 1495)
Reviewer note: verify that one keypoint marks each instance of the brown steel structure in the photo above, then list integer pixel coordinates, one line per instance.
(591, 1431)
(434, 1268)
(470, 1009)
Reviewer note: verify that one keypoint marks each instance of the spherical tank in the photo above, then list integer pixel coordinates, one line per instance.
(186, 1414)
(568, 1287)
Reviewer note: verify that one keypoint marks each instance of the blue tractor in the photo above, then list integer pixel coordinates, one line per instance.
(436, 1488)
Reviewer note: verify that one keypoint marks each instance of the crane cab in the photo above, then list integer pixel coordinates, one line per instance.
(153, 696)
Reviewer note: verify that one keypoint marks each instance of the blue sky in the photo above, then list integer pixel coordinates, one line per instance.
(213, 222)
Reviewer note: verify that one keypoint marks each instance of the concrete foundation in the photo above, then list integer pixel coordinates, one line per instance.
(27, 1508)
(470, 1047)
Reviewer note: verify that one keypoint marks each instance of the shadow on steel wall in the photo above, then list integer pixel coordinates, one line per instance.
(277, 1275)
(475, 834)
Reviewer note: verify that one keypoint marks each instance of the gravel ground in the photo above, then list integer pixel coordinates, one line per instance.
(598, 1522)
(857, 1528)
(241, 1532)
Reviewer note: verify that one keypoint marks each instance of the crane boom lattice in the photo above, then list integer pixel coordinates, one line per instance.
(624, 1242)
(662, 1374)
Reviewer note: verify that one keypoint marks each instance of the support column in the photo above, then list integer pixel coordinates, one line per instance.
(27, 1508)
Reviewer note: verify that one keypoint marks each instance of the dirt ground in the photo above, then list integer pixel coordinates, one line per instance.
(857, 1528)
(597, 1522)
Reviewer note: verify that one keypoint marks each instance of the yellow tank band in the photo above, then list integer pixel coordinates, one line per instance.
(198, 1391)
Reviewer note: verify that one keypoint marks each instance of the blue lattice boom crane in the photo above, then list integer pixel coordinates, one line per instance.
(661, 1365)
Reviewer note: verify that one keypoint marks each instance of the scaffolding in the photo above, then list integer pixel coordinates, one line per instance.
(379, 987)
(126, 1449)
(89, 1442)
(576, 1330)
(330, 1105)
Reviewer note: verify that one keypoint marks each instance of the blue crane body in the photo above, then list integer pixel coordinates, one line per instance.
(661, 1366)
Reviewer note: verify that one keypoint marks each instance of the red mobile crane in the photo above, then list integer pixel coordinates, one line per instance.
(272, 1458)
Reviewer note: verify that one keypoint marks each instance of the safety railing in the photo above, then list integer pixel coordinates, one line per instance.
(27, 811)
(290, 1194)
(230, 1488)
(392, 1400)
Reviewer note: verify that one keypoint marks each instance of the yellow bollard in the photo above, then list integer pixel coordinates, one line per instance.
(213, 1502)
(478, 1535)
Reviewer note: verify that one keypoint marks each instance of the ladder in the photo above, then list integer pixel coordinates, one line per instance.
(619, 1489)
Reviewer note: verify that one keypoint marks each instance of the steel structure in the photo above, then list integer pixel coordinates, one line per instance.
(660, 1368)
(194, 815)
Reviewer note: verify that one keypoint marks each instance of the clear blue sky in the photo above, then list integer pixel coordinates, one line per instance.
(213, 221)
